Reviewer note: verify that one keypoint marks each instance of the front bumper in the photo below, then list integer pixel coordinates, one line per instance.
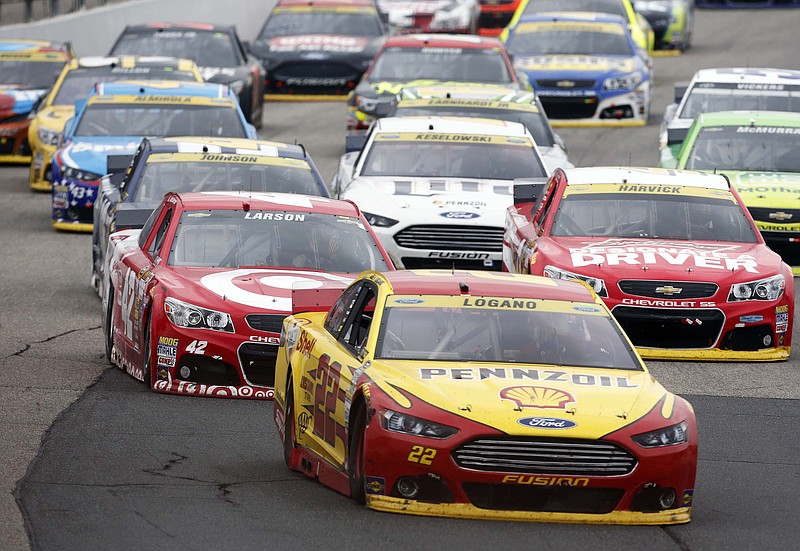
(592, 108)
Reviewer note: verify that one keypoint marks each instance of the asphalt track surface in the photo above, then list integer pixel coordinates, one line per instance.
(91, 460)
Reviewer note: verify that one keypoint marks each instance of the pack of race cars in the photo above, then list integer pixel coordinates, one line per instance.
(410, 372)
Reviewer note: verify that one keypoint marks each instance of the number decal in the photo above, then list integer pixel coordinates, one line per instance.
(197, 347)
(326, 395)
(423, 456)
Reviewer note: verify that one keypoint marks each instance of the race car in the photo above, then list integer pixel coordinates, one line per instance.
(193, 302)
(425, 59)
(311, 48)
(747, 3)
(759, 151)
(487, 103)
(585, 68)
(674, 254)
(28, 69)
(74, 83)
(216, 49)
(725, 89)
(495, 16)
(431, 16)
(476, 395)
(115, 118)
(435, 189)
(160, 165)
(637, 24)
(672, 22)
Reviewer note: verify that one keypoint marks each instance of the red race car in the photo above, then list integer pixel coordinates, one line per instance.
(193, 302)
(674, 254)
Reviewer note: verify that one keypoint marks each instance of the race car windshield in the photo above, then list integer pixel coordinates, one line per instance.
(160, 177)
(322, 22)
(756, 148)
(652, 216)
(442, 64)
(206, 48)
(453, 160)
(30, 74)
(78, 83)
(300, 240)
(614, 7)
(710, 97)
(559, 41)
(160, 120)
(535, 336)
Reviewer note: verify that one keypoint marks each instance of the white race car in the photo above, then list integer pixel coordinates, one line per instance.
(435, 189)
(431, 16)
(725, 89)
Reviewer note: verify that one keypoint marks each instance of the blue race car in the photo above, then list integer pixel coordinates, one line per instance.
(115, 118)
(585, 67)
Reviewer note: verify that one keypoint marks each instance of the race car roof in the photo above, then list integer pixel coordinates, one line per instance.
(645, 177)
(477, 284)
(132, 61)
(162, 88)
(749, 118)
(468, 41)
(192, 144)
(244, 200)
(451, 125)
(747, 74)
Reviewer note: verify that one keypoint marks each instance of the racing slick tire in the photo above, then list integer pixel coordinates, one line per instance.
(109, 325)
(288, 424)
(355, 457)
(147, 360)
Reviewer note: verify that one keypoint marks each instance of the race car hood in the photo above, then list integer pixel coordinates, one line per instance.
(576, 65)
(245, 289)
(613, 259)
(16, 101)
(537, 400)
(442, 200)
(55, 117)
(91, 153)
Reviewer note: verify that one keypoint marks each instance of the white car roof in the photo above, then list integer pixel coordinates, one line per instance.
(645, 177)
(747, 74)
(452, 125)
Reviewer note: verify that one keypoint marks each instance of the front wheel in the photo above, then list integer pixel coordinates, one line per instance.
(355, 460)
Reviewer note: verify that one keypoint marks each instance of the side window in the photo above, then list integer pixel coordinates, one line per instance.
(148, 226)
(356, 327)
(341, 309)
(161, 232)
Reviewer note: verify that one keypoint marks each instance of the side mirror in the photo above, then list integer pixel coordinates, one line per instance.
(680, 90)
(528, 190)
(355, 142)
(676, 135)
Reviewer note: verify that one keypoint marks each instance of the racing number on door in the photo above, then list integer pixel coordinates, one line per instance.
(326, 394)
(421, 455)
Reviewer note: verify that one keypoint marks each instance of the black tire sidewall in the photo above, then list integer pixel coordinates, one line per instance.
(355, 456)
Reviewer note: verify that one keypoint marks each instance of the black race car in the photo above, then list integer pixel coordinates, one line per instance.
(311, 47)
(216, 49)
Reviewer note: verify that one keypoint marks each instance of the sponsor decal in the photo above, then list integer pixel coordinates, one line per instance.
(285, 216)
(375, 485)
(500, 303)
(315, 81)
(466, 255)
(162, 375)
(781, 318)
(669, 290)
(780, 216)
(306, 384)
(460, 215)
(537, 397)
(268, 340)
(545, 480)
(409, 301)
(166, 361)
(306, 344)
(461, 203)
(304, 421)
(167, 346)
(669, 303)
(755, 318)
(586, 308)
(686, 498)
(547, 423)
(767, 130)
(523, 374)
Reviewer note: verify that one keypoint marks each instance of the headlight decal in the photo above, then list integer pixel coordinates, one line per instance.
(185, 314)
(667, 436)
(770, 288)
(597, 284)
(404, 423)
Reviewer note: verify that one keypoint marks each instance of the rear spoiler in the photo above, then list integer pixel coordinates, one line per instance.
(319, 299)
(132, 216)
(676, 135)
(529, 190)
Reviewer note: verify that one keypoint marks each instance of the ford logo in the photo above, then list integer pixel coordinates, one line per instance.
(546, 423)
(460, 215)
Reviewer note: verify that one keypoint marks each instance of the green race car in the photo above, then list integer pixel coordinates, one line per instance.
(759, 151)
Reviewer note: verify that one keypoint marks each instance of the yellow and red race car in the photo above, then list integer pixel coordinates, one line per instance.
(480, 395)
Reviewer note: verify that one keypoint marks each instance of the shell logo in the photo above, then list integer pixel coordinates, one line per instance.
(537, 397)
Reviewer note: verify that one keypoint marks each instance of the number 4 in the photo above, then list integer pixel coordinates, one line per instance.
(196, 347)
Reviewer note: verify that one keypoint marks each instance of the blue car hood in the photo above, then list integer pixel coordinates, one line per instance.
(576, 66)
(92, 153)
(19, 100)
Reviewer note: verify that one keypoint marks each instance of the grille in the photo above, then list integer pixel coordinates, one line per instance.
(271, 323)
(545, 456)
(7, 147)
(560, 499)
(648, 288)
(761, 214)
(569, 108)
(258, 363)
(315, 69)
(670, 328)
(451, 238)
(576, 83)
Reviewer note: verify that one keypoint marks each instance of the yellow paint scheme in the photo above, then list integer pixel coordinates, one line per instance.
(227, 158)
(74, 227)
(468, 511)
(160, 100)
(717, 355)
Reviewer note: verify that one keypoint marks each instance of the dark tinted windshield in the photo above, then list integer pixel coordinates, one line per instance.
(595, 6)
(322, 22)
(754, 148)
(160, 120)
(265, 238)
(444, 64)
(30, 74)
(78, 83)
(207, 49)
(568, 38)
